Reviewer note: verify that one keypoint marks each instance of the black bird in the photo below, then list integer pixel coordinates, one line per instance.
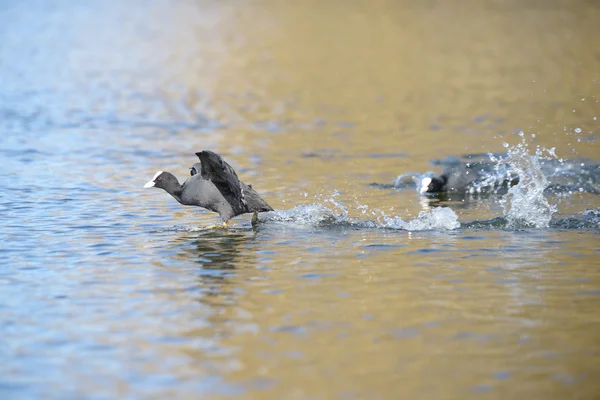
(456, 178)
(464, 177)
(214, 185)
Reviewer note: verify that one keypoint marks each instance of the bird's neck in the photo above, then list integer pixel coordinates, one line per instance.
(175, 190)
(176, 195)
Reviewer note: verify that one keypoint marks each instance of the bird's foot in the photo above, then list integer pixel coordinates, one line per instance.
(255, 219)
(224, 226)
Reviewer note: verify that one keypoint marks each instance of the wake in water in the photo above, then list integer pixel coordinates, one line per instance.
(588, 219)
(522, 179)
(438, 219)
(331, 213)
(524, 202)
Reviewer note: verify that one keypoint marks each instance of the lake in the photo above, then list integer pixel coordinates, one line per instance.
(357, 286)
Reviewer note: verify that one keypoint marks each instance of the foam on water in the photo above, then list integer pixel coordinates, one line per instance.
(304, 215)
(328, 211)
(441, 218)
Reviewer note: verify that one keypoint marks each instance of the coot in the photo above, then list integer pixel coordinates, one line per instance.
(214, 185)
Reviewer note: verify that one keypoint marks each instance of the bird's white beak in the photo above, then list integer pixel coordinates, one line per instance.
(152, 183)
(425, 185)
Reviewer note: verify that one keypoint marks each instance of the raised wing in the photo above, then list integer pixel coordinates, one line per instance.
(222, 175)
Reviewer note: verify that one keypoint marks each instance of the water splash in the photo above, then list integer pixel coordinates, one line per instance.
(525, 204)
(494, 182)
(304, 215)
(492, 177)
(442, 218)
(328, 211)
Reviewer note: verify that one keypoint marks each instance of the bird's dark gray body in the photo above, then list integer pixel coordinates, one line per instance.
(456, 178)
(253, 200)
(214, 185)
(197, 191)
(461, 178)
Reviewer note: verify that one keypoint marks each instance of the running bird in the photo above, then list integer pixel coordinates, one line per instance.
(214, 185)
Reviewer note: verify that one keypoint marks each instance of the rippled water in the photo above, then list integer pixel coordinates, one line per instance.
(357, 286)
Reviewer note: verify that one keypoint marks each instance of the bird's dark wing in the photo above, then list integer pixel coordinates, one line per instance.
(254, 201)
(222, 175)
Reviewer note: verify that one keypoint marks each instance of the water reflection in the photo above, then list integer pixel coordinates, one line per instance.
(216, 248)
(105, 295)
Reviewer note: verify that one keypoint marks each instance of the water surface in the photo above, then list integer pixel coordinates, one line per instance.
(111, 291)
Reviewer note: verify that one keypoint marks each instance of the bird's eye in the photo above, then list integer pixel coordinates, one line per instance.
(193, 171)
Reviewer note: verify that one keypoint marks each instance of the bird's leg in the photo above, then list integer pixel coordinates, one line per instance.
(255, 219)
(222, 226)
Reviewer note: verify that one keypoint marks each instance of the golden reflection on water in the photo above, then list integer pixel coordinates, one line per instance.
(427, 79)
(364, 78)
(389, 71)
(400, 321)
(314, 97)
